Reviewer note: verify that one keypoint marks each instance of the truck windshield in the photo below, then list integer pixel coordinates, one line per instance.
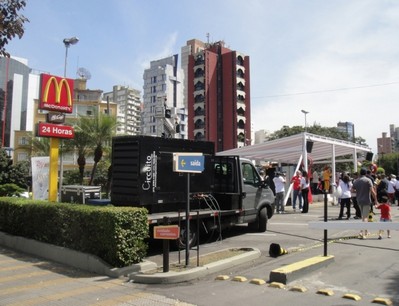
(249, 174)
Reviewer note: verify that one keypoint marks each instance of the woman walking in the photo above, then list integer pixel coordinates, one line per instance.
(305, 183)
(346, 186)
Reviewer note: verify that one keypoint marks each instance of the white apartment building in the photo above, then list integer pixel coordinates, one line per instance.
(164, 113)
(128, 102)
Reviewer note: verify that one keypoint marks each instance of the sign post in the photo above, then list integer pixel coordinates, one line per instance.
(166, 232)
(56, 94)
(189, 163)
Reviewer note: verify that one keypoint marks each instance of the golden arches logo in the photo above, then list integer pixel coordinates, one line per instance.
(58, 89)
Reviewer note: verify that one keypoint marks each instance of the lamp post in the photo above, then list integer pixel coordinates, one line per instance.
(305, 112)
(68, 42)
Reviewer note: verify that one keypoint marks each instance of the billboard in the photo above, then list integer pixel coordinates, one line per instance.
(56, 93)
(40, 177)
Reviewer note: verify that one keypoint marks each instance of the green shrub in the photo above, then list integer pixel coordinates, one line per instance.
(115, 234)
(9, 190)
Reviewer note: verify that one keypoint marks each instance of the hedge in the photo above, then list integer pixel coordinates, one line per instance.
(114, 234)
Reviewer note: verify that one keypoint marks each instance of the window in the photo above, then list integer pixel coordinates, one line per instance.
(23, 141)
(249, 174)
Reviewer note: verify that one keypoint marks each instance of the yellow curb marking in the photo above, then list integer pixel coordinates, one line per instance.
(240, 279)
(382, 301)
(222, 277)
(326, 292)
(277, 285)
(298, 289)
(258, 281)
(351, 296)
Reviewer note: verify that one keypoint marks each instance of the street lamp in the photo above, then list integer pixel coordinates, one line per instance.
(68, 42)
(305, 112)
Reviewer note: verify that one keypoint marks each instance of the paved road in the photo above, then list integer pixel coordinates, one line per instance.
(368, 268)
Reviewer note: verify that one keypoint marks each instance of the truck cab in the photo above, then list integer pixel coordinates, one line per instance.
(238, 185)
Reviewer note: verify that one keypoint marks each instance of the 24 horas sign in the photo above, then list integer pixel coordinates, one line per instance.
(56, 95)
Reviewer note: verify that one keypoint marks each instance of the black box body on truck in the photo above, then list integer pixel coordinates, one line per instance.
(229, 191)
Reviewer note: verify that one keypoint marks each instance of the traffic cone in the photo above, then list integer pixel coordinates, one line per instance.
(276, 250)
(371, 216)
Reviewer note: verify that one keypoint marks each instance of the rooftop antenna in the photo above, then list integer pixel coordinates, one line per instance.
(83, 73)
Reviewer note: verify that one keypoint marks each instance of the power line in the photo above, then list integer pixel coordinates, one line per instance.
(325, 90)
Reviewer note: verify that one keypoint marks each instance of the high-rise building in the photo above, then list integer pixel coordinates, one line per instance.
(218, 94)
(128, 101)
(385, 144)
(164, 114)
(348, 128)
(394, 132)
(15, 105)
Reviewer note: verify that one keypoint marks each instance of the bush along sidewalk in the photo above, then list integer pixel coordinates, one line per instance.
(115, 234)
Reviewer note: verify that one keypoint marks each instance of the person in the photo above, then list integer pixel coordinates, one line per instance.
(365, 194)
(345, 199)
(326, 179)
(262, 174)
(358, 215)
(296, 186)
(391, 188)
(315, 182)
(397, 190)
(305, 191)
(385, 214)
(279, 183)
(382, 186)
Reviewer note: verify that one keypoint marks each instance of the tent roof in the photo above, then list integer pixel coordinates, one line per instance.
(289, 149)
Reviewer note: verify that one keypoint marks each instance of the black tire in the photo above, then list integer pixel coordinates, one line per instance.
(192, 237)
(262, 223)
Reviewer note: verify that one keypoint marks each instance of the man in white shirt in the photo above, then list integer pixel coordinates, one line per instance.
(279, 183)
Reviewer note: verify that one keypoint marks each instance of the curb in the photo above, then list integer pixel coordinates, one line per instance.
(70, 257)
(172, 277)
(298, 269)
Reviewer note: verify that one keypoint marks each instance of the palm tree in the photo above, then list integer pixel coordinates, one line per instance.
(40, 146)
(99, 130)
(82, 143)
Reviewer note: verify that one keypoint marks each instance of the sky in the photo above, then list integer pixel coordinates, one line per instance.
(336, 59)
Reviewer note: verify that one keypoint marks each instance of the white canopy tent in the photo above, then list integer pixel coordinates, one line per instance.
(292, 149)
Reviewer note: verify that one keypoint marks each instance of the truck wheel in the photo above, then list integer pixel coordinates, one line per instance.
(262, 225)
(192, 237)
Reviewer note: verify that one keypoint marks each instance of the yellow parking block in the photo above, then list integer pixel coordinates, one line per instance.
(382, 301)
(326, 292)
(299, 289)
(240, 279)
(222, 277)
(277, 285)
(351, 296)
(258, 281)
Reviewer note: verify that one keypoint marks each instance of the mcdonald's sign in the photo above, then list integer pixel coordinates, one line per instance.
(56, 93)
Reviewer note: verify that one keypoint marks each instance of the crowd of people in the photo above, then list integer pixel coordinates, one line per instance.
(364, 191)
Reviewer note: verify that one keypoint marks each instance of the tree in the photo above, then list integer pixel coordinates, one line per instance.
(99, 129)
(11, 22)
(17, 174)
(40, 146)
(82, 142)
(332, 132)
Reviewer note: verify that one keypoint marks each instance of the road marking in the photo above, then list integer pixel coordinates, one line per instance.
(296, 224)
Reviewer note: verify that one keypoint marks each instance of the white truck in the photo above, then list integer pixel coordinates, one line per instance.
(229, 191)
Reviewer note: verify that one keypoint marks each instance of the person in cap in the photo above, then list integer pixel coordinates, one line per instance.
(385, 214)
